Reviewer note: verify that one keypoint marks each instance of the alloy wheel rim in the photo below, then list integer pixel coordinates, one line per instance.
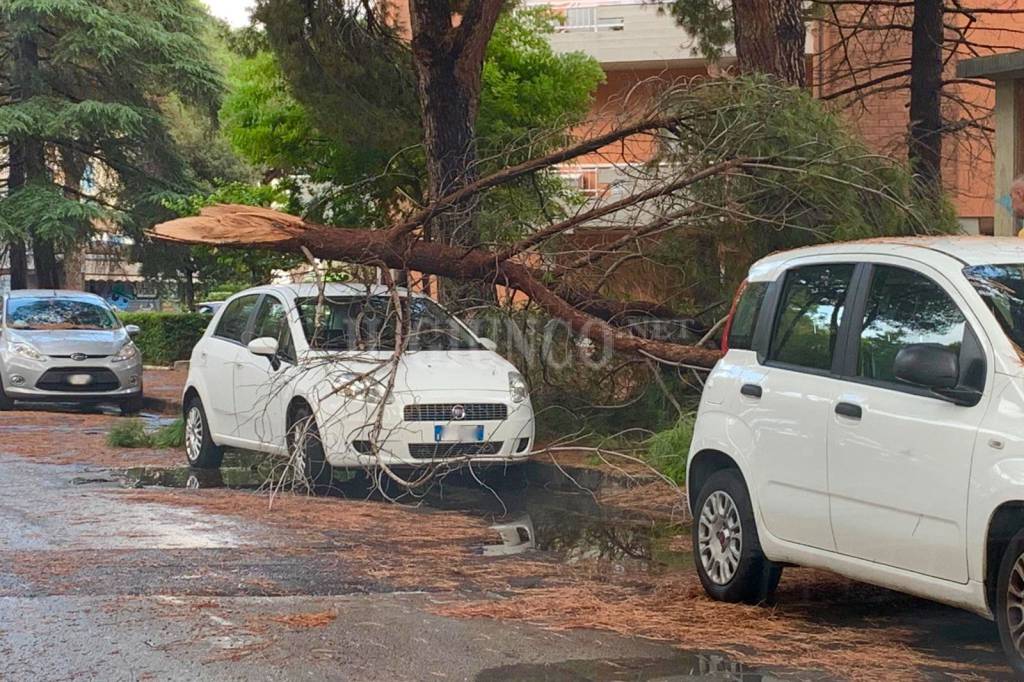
(300, 432)
(1015, 605)
(720, 537)
(193, 434)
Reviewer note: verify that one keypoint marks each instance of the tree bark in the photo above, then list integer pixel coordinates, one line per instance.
(28, 165)
(925, 144)
(46, 265)
(770, 38)
(18, 258)
(17, 253)
(448, 60)
(188, 291)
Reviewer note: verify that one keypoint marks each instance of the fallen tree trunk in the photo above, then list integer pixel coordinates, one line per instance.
(252, 227)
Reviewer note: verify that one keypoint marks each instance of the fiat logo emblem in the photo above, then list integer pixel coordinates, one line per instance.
(459, 412)
(79, 357)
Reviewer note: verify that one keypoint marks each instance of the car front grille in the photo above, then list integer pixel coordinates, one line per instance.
(442, 412)
(446, 450)
(58, 380)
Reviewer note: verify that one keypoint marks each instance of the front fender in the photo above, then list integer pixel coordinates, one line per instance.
(997, 473)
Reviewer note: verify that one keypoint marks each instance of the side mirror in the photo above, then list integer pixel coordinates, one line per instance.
(265, 346)
(927, 365)
(132, 329)
(488, 344)
(935, 368)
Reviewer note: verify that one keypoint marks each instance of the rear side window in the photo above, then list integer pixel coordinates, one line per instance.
(744, 317)
(810, 312)
(235, 319)
(905, 308)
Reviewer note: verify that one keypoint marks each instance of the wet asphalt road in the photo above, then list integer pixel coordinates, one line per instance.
(92, 587)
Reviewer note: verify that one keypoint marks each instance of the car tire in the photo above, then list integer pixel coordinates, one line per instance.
(1010, 603)
(200, 450)
(303, 433)
(5, 402)
(131, 406)
(727, 551)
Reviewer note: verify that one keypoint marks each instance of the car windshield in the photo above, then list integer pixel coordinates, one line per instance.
(369, 322)
(1002, 287)
(58, 313)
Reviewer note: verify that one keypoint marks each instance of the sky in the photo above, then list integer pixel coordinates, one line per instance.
(235, 12)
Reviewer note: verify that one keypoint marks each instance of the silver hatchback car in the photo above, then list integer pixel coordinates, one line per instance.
(67, 346)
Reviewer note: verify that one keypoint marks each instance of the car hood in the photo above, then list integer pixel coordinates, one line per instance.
(422, 371)
(101, 342)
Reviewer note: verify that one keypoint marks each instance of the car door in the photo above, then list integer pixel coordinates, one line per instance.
(788, 403)
(900, 456)
(217, 358)
(262, 386)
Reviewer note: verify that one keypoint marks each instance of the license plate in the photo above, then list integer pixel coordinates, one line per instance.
(458, 433)
(79, 379)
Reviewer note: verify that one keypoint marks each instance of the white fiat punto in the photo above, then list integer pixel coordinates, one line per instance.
(279, 372)
(868, 418)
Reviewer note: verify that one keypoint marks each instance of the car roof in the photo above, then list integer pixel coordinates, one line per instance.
(960, 251)
(332, 289)
(53, 293)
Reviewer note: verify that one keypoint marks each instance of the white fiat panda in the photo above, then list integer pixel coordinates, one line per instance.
(868, 417)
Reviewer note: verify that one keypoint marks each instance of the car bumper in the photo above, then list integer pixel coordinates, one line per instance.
(347, 433)
(63, 380)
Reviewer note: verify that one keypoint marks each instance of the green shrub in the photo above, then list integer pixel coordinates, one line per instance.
(170, 436)
(166, 337)
(669, 449)
(130, 433)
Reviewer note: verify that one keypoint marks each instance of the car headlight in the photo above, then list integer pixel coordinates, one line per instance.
(517, 387)
(362, 387)
(129, 351)
(26, 350)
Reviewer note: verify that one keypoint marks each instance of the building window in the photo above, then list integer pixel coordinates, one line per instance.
(586, 19)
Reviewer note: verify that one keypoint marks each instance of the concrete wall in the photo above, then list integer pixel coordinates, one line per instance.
(644, 37)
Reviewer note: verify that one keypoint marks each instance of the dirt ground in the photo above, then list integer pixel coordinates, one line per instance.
(170, 583)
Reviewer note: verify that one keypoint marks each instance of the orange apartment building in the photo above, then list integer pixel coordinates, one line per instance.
(633, 40)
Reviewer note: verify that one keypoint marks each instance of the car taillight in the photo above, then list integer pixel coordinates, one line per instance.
(732, 314)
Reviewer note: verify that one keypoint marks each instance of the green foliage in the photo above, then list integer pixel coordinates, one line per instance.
(529, 88)
(811, 180)
(668, 450)
(220, 269)
(94, 99)
(344, 112)
(166, 337)
(709, 21)
(41, 209)
(129, 433)
(170, 435)
(132, 433)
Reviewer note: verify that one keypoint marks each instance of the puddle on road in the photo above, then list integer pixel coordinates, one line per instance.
(553, 515)
(151, 420)
(683, 666)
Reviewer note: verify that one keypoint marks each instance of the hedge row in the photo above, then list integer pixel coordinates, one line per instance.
(166, 337)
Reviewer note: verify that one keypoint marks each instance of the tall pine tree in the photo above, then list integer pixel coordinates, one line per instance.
(83, 88)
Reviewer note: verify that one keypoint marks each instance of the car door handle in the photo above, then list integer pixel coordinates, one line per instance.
(849, 410)
(751, 390)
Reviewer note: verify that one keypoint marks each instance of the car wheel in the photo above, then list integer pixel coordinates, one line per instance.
(201, 451)
(1010, 603)
(131, 406)
(727, 552)
(307, 450)
(5, 402)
